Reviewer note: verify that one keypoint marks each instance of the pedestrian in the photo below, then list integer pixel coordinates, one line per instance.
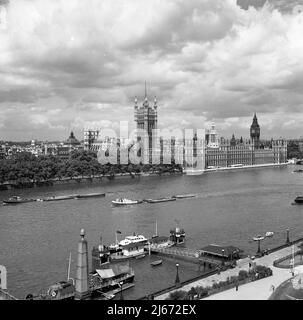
(237, 287)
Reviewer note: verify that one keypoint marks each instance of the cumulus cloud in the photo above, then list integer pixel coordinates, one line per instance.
(66, 63)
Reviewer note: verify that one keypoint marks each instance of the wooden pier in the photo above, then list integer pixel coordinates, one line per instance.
(178, 252)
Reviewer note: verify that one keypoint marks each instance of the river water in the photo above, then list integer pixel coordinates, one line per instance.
(231, 208)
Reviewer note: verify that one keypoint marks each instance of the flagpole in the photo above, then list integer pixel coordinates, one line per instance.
(69, 262)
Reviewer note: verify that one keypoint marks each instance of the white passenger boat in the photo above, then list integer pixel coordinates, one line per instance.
(258, 238)
(269, 234)
(125, 202)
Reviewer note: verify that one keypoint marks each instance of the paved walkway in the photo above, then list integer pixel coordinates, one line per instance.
(257, 290)
(250, 290)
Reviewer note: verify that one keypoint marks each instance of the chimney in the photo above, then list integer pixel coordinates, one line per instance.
(82, 289)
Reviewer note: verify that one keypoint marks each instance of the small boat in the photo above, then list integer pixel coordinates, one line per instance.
(106, 296)
(91, 195)
(140, 256)
(297, 171)
(184, 196)
(160, 200)
(17, 200)
(156, 263)
(125, 202)
(258, 238)
(299, 200)
(269, 234)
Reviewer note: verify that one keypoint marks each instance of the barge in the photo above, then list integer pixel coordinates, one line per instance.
(17, 200)
(160, 200)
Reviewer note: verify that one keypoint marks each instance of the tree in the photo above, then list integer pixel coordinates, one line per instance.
(178, 295)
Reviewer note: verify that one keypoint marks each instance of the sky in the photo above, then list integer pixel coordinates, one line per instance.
(69, 64)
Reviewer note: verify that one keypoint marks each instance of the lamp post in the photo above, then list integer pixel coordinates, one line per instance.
(121, 294)
(259, 246)
(287, 236)
(177, 282)
(223, 251)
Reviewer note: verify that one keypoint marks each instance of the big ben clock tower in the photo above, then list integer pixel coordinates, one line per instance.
(255, 132)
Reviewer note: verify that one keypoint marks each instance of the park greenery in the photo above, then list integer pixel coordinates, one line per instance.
(26, 167)
(294, 151)
(199, 292)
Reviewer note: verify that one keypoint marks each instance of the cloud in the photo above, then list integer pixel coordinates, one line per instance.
(66, 63)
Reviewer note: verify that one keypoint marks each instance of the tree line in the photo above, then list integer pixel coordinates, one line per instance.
(294, 150)
(26, 167)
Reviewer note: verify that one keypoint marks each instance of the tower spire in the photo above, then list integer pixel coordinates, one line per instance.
(145, 90)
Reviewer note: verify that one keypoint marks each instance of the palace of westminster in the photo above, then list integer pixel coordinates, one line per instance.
(215, 151)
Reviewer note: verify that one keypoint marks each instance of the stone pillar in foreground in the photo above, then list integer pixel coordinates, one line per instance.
(82, 288)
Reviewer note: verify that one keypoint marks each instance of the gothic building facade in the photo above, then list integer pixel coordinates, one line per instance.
(255, 133)
(146, 119)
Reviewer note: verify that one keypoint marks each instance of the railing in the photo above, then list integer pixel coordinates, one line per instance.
(178, 252)
(6, 296)
(183, 283)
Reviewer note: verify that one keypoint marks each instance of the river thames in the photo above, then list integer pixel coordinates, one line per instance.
(230, 208)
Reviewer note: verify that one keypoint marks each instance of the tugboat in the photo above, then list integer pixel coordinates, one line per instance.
(125, 202)
(17, 200)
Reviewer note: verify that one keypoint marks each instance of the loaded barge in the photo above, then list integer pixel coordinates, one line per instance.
(19, 200)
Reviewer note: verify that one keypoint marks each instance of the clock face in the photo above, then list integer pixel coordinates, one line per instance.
(253, 131)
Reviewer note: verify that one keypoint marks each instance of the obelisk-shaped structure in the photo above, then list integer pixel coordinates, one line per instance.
(82, 288)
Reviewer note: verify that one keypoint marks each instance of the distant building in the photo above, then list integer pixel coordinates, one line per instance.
(255, 132)
(245, 154)
(72, 142)
(63, 152)
(212, 138)
(90, 137)
(146, 118)
(233, 141)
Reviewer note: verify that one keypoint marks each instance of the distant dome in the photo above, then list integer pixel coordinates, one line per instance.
(72, 140)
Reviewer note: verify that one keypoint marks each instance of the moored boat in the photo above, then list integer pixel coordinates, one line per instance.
(184, 196)
(269, 234)
(91, 195)
(160, 200)
(156, 263)
(125, 202)
(258, 238)
(17, 200)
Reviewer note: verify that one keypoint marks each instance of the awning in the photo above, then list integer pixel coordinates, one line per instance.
(106, 273)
